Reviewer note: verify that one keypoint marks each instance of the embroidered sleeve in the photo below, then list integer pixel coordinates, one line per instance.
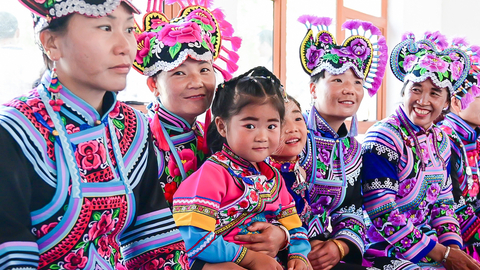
(18, 247)
(348, 224)
(288, 217)
(381, 155)
(195, 209)
(152, 235)
(443, 217)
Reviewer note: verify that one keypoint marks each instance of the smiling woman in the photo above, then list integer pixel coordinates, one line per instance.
(77, 158)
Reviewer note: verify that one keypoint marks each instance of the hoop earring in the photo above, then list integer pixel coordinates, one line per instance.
(54, 88)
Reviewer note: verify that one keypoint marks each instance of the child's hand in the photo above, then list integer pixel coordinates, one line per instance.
(255, 260)
(297, 264)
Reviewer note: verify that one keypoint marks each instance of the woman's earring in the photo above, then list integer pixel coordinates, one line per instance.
(54, 88)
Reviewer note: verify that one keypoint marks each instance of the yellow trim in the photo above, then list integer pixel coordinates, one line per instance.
(291, 222)
(196, 220)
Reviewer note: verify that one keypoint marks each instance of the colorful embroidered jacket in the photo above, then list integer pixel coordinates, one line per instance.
(79, 190)
(465, 163)
(297, 187)
(407, 191)
(333, 163)
(187, 140)
(225, 196)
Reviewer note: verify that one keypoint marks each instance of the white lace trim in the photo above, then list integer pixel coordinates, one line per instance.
(376, 184)
(331, 69)
(81, 7)
(167, 66)
(380, 149)
(446, 83)
(353, 176)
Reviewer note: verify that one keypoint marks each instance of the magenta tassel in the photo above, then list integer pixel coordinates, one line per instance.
(475, 49)
(459, 41)
(236, 42)
(231, 66)
(231, 54)
(466, 100)
(218, 14)
(408, 35)
(475, 90)
(226, 76)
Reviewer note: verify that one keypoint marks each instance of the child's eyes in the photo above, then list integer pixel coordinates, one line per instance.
(249, 126)
(272, 126)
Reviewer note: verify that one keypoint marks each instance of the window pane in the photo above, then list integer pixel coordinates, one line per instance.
(253, 22)
(20, 58)
(370, 7)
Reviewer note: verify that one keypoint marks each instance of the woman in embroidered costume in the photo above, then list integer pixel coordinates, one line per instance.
(248, 113)
(78, 183)
(406, 188)
(461, 125)
(181, 76)
(331, 158)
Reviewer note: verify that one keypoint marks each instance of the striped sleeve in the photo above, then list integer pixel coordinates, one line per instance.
(152, 233)
(382, 149)
(18, 247)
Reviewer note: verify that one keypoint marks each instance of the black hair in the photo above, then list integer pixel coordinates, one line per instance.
(315, 78)
(8, 25)
(256, 86)
(290, 98)
(57, 25)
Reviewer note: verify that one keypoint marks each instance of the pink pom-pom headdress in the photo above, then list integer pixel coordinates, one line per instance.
(197, 32)
(453, 66)
(364, 50)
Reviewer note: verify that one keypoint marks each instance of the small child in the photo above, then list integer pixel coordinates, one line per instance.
(286, 157)
(235, 187)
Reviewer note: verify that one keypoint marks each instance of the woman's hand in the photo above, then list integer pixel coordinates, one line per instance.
(459, 260)
(269, 241)
(325, 254)
(255, 260)
(222, 266)
(297, 264)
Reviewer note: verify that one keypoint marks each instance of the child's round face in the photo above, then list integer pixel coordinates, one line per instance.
(187, 90)
(338, 96)
(254, 133)
(294, 133)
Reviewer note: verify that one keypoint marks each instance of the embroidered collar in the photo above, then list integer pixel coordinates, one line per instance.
(227, 151)
(175, 124)
(464, 130)
(316, 123)
(80, 109)
(283, 166)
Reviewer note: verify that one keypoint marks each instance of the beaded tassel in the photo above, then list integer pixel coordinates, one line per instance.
(54, 88)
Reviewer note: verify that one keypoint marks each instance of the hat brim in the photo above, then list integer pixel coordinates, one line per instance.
(130, 4)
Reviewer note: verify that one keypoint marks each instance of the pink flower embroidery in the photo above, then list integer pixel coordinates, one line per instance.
(254, 196)
(101, 227)
(104, 249)
(76, 260)
(457, 69)
(409, 62)
(115, 111)
(90, 155)
(313, 56)
(474, 190)
(181, 33)
(189, 161)
(40, 1)
(157, 23)
(183, 260)
(143, 41)
(71, 128)
(202, 16)
(232, 211)
(46, 228)
(433, 63)
(38, 107)
(360, 48)
(259, 187)
(154, 264)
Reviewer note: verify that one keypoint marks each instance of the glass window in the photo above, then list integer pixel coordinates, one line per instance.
(370, 7)
(20, 58)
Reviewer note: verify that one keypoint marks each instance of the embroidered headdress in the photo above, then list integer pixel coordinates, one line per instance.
(454, 67)
(364, 50)
(196, 32)
(51, 9)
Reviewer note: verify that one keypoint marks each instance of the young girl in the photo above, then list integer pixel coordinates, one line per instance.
(249, 111)
(286, 157)
(78, 168)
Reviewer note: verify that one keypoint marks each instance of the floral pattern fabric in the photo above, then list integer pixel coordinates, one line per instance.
(407, 191)
(465, 169)
(332, 162)
(50, 220)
